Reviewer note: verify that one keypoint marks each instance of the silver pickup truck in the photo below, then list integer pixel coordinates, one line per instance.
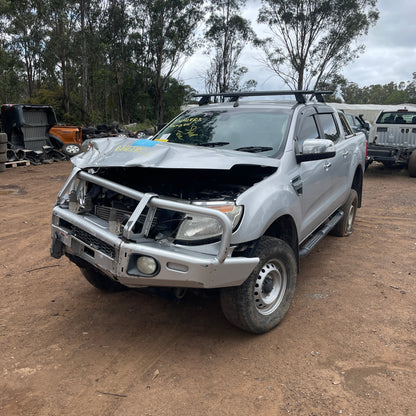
(227, 196)
(392, 140)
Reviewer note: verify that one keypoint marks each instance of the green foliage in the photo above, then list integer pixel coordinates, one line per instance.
(313, 39)
(227, 34)
(11, 86)
(97, 62)
(352, 93)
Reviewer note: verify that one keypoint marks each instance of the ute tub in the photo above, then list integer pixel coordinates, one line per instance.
(89, 238)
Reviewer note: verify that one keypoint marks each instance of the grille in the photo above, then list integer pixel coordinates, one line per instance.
(120, 215)
(93, 242)
(105, 213)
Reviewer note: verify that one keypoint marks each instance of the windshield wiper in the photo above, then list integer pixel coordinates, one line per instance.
(212, 144)
(254, 149)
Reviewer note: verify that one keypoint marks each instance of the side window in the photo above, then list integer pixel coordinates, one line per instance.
(329, 127)
(308, 130)
(346, 127)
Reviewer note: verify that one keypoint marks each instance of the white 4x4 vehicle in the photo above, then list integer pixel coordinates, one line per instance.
(226, 196)
(392, 139)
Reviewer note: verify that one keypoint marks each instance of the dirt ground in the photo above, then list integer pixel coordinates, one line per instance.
(347, 345)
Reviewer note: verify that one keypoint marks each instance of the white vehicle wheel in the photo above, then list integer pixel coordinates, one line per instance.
(71, 149)
(261, 302)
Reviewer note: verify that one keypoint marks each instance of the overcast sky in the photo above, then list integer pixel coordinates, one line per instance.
(390, 53)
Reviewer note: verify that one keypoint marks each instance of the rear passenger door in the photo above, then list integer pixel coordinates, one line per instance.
(341, 162)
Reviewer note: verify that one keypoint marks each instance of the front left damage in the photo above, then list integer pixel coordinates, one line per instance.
(149, 223)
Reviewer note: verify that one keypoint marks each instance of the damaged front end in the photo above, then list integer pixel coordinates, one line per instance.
(148, 226)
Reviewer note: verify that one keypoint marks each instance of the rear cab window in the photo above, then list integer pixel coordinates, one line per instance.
(397, 117)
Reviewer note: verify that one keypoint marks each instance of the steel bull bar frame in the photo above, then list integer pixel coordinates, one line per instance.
(179, 266)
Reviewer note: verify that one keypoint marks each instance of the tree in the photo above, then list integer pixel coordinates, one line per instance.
(26, 30)
(165, 34)
(227, 34)
(352, 93)
(61, 18)
(313, 39)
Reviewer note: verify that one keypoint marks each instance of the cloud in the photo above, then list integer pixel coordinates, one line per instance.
(390, 51)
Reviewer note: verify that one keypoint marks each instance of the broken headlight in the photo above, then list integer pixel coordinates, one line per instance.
(79, 201)
(195, 228)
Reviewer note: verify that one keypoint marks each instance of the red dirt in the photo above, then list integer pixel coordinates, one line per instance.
(347, 345)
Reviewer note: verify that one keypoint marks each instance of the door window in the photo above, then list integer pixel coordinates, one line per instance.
(308, 130)
(329, 127)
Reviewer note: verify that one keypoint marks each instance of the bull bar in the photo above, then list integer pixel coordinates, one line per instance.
(180, 266)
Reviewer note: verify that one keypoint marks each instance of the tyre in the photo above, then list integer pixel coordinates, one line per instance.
(71, 149)
(412, 164)
(344, 226)
(11, 155)
(261, 302)
(101, 281)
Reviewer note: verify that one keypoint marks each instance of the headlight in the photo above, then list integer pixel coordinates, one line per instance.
(199, 227)
(78, 200)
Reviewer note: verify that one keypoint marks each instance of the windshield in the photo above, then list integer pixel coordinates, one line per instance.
(247, 130)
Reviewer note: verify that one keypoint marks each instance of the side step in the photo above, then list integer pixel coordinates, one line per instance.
(318, 235)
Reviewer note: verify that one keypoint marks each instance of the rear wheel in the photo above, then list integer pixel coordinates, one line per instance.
(101, 281)
(261, 302)
(345, 225)
(412, 164)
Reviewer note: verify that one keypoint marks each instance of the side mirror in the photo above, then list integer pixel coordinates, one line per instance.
(315, 149)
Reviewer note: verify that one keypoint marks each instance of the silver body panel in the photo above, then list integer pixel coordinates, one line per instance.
(309, 193)
(397, 135)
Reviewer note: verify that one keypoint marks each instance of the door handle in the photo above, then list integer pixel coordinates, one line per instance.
(345, 154)
(327, 165)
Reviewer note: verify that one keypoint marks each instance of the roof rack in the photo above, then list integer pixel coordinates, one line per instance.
(234, 96)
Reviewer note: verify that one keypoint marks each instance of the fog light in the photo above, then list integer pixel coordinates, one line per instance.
(146, 265)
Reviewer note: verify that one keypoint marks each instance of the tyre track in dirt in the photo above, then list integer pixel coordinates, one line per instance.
(347, 343)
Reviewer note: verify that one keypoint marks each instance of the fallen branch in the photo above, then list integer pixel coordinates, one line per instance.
(111, 394)
(43, 267)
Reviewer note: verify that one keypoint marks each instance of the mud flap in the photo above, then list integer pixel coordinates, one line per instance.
(56, 249)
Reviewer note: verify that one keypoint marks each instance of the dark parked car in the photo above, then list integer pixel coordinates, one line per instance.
(357, 123)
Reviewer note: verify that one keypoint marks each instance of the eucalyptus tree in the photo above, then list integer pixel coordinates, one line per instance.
(313, 39)
(26, 31)
(227, 34)
(10, 65)
(61, 18)
(165, 35)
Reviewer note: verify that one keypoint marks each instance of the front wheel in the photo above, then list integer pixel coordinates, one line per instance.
(101, 281)
(261, 302)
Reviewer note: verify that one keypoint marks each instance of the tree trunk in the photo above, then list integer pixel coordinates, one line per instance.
(84, 59)
(65, 85)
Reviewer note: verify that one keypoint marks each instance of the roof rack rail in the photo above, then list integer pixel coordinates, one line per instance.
(234, 96)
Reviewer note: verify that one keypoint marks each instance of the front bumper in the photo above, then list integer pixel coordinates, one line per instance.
(178, 266)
